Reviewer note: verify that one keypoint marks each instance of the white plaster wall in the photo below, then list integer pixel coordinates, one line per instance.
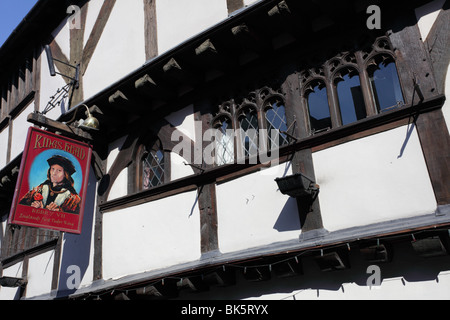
(4, 135)
(179, 20)
(94, 7)
(62, 37)
(184, 121)
(120, 185)
(151, 236)
(15, 271)
(121, 48)
(252, 211)
(40, 273)
(378, 178)
(20, 131)
(113, 151)
(178, 169)
(426, 16)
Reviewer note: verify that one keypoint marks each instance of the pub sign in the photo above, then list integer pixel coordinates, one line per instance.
(51, 187)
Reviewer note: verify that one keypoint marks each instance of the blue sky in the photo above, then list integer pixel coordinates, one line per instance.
(11, 14)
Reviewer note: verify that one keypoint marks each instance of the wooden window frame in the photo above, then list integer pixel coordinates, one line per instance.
(142, 150)
(360, 61)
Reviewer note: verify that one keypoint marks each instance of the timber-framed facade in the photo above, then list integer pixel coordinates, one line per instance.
(360, 112)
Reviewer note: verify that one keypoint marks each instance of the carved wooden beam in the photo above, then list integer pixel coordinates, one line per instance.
(212, 61)
(174, 71)
(131, 105)
(147, 87)
(56, 126)
(195, 283)
(206, 50)
(280, 10)
(119, 100)
(250, 39)
(167, 289)
(223, 277)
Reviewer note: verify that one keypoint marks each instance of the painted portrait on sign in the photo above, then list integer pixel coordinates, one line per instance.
(57, 190)
(52, 183)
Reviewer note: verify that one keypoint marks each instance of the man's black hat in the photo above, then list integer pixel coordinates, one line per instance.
(63, 162)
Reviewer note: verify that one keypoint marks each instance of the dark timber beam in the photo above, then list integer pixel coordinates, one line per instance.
(56, 126)
(208, 217)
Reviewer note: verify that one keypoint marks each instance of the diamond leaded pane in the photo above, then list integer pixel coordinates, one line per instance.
(153, 171)
(249, 126)
(276, 124)
(224, 143)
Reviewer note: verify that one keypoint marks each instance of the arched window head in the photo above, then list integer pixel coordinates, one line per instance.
(276, 124)
(384, 82)
(351, 100)
(153, 166)
(248, 122)
(224, 141)
(319, 110)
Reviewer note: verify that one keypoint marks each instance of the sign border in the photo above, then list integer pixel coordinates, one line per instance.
(24, 164)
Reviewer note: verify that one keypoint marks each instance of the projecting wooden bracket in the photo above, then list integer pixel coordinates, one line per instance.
(148, 88)
(56, 126)
(121, 102)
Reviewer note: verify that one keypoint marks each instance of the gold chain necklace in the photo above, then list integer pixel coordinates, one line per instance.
(52, 192)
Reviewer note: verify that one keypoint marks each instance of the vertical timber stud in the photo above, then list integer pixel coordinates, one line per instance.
(234, 5)
(151, 32)
(207, 191)
(432, 128)
(208, 217)
(302, 162)
(415, 63)
(435, 141)
(76, 53)
(98, 226)
(57, 262)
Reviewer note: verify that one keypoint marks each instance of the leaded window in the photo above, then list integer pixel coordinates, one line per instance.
(248, 122)
(276, 125)
(351, 100)
(319, 110)
(385, 84)
(153, 167)
(224, 141)
(351, 86)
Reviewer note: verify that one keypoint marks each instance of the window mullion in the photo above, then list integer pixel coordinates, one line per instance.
(365, 86)
(333, 101)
